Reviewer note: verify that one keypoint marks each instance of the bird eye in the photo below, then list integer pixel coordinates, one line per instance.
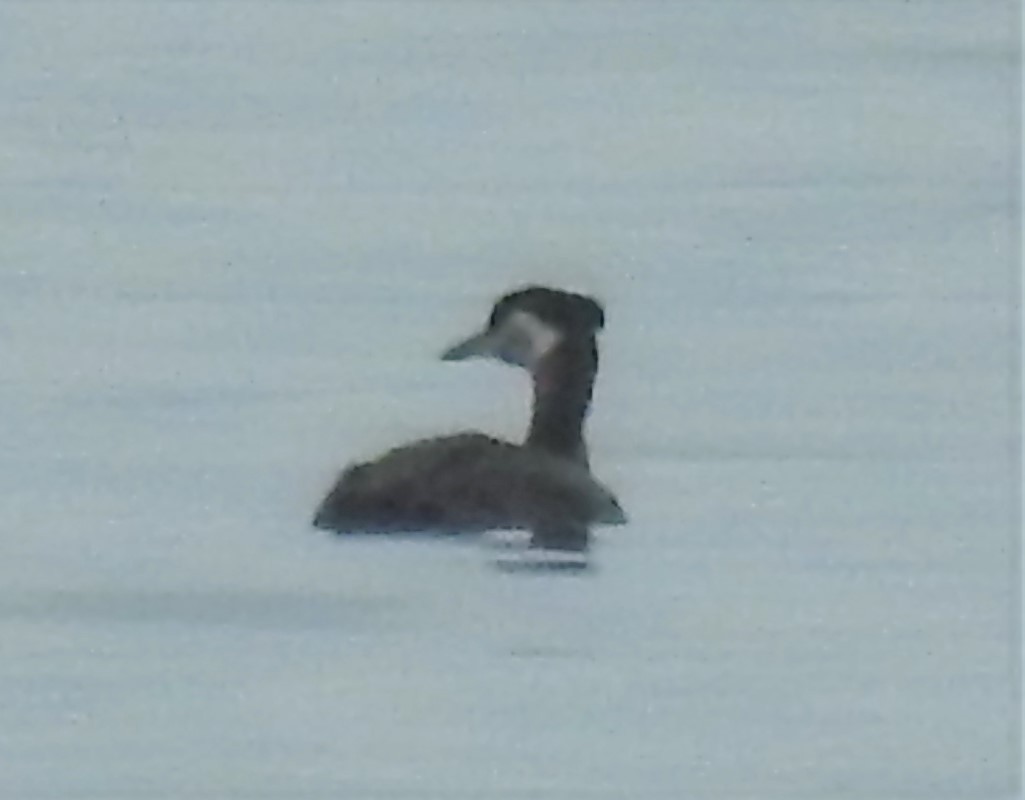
(515, 348)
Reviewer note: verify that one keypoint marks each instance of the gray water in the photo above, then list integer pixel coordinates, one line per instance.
(236, 236)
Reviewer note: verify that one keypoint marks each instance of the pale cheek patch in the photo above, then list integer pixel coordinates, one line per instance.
(538, 338)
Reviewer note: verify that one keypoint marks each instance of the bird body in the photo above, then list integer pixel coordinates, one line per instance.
(465, 483)
(471, 482)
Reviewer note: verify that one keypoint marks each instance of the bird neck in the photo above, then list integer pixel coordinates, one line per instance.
(563, 382)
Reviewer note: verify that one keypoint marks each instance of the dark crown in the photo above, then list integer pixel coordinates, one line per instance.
(564, 310)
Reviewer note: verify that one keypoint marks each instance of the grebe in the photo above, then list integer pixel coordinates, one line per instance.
(470, 482)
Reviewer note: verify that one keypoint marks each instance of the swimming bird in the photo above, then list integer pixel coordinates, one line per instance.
(472, 482)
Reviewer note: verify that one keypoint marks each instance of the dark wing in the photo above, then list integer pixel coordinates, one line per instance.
(464, 483)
